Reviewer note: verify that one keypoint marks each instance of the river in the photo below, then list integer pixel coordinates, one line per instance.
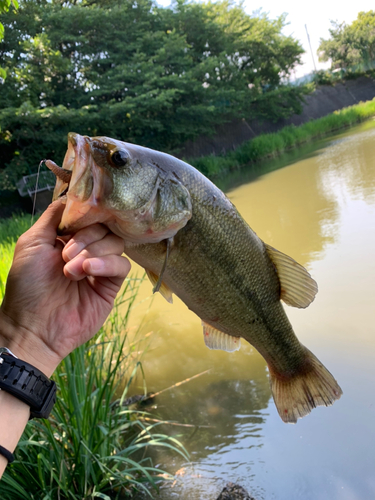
(318, 206)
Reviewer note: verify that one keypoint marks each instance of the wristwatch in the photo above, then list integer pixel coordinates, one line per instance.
(27, 383)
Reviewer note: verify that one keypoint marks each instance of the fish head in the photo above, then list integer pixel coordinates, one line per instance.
(123, 186)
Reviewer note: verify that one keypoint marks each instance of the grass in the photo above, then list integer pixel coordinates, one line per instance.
(272, 145)
(93, 445)
(10, 230)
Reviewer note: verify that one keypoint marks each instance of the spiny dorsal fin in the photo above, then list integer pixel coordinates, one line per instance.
(164, 289)
(298, 289)
(215, 339)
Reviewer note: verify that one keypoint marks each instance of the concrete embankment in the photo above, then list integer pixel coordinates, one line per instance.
(324, 100)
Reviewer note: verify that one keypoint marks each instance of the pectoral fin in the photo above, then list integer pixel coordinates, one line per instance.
(298, 288)
(215, 339)
(165, 291)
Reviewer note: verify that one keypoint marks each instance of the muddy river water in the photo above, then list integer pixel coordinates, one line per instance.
(318, 206)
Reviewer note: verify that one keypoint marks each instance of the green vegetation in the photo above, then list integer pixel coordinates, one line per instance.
(135, 71)
(352, 46)
(10, 230)
(271, 145)
(93, 445)
(4, 7)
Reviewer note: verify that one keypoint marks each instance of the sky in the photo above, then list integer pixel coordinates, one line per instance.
(316, 14)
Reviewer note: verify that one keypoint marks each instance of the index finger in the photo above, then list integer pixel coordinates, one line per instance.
(83, 239)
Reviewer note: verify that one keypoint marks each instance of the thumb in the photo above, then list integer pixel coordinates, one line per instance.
(45, 228)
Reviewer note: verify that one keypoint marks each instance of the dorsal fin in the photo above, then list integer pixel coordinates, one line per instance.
(164, 289)
(215, 339)
(298, 289)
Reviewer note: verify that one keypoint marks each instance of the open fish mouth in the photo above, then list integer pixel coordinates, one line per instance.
(81, 183)
(61, 173)
(76, 146)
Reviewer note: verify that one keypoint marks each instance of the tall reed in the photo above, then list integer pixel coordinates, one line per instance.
(93, 445)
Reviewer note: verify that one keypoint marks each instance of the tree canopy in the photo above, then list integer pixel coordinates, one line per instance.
(4, 7)
(350, 44)
(132, 70)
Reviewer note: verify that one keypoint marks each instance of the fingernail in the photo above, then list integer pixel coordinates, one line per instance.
(71, 269)
(96, 265)
(72, 250)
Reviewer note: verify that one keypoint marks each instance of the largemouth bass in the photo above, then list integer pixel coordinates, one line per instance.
(192, 242)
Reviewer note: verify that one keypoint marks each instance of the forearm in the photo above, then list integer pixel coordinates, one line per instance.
(14, 414)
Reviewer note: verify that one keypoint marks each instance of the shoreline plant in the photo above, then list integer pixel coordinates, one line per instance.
(93, 445)
(274, 144)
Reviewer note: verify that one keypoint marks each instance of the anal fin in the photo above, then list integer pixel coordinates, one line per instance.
(215, 339)
(165, 291)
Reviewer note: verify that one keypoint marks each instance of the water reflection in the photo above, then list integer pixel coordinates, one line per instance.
(349, 164)
(321, 211)
(286, 209)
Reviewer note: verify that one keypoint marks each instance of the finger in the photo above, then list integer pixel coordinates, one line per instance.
(83, 239)
(45, 228)
(114, 267)
(110, 245)
(109, 266)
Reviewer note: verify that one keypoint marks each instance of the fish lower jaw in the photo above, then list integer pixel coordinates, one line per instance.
(78, 215)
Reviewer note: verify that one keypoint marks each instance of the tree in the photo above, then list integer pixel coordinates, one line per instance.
(364, 32)
(350, 45)
(137, 72)
(4, 7)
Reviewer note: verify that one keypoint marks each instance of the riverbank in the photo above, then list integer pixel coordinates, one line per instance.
(274, 144)
(259, 148)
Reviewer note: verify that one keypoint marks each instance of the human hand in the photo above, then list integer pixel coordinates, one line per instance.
(57, 297)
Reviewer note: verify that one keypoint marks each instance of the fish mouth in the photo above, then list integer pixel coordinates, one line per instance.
(82, 185)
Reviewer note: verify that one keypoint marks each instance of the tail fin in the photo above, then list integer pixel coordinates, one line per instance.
(313, 386)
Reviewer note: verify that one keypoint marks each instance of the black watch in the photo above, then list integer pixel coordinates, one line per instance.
(27, 383)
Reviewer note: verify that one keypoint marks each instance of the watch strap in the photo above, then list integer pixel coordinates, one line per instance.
(27, 384)
(7, 454)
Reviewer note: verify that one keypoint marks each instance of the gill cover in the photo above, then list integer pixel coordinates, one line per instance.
(119, 185)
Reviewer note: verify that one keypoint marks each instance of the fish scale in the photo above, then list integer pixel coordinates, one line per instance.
(198, 268)
(192, 242)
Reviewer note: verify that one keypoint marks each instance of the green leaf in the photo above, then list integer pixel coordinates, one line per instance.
(175, 76)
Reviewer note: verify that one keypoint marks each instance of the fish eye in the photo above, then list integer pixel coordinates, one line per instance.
(119, 157)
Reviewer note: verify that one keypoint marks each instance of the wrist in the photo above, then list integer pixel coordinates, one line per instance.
(27, 346)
